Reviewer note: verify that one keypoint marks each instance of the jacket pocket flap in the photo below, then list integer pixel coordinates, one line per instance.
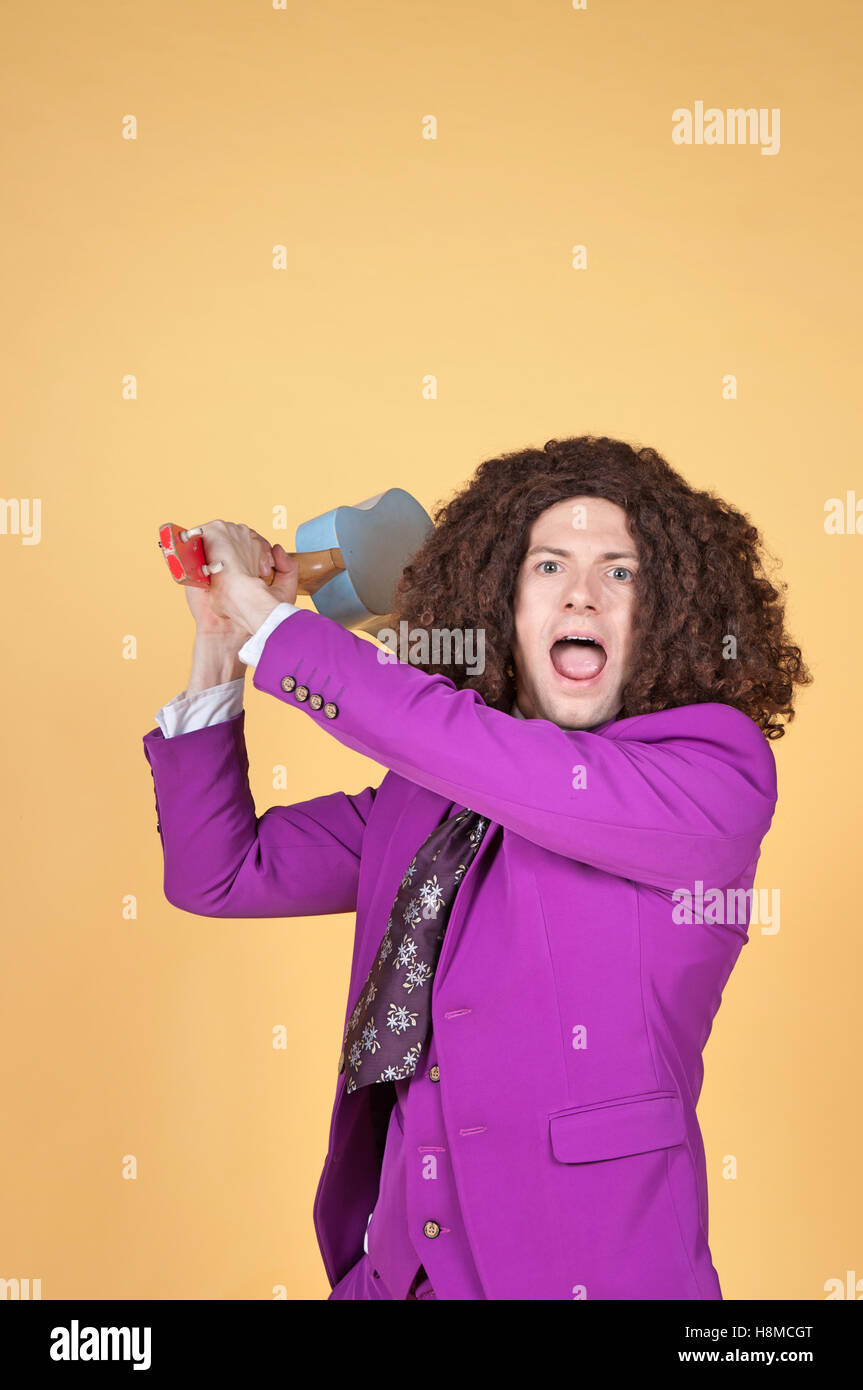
(613, 1129)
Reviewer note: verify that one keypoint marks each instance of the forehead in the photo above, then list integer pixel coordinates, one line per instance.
(582, 518)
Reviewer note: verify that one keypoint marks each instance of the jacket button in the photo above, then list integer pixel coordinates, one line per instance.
(431, 1229)
(341, 1061)
(158, 827)
(434, 1074)
(288, 683)
(315, 701)
(331, 709)
(302, 692)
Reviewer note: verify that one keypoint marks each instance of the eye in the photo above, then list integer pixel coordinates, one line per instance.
(621, 569)
(546, 562)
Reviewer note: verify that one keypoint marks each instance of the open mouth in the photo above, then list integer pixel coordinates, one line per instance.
(578, 657)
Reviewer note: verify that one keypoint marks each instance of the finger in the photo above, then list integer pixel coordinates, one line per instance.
(284, 561)
(266, 562)
(203, 530)
(209, 531)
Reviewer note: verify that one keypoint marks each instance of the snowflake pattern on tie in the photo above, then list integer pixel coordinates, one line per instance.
(393, 1014)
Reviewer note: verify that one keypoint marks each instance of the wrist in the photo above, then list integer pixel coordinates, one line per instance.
(249, 603)
(215, 661)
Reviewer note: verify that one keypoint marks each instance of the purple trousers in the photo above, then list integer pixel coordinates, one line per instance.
(362, 1281)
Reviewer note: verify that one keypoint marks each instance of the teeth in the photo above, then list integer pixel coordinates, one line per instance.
(591, 640)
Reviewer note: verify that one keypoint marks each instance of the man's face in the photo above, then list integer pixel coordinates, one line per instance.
(577, 577)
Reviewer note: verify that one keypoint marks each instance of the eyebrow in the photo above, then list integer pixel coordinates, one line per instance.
(554, 550)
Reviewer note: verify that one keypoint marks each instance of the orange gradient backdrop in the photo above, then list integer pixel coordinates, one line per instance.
(428, 169)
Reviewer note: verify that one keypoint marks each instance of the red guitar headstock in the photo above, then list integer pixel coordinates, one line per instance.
(184, 553)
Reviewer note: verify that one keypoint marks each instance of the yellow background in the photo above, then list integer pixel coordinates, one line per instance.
(260, 388)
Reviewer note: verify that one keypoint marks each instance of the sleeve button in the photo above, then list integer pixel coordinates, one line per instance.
(288, 683)
(315, 701)
(331, 709)
(302, 692)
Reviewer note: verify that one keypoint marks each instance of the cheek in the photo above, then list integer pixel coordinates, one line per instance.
(522, 619)
(623, 633)
(627, 647)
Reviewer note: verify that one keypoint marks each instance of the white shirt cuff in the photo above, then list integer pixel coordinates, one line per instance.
(211, 706)
(250, 652)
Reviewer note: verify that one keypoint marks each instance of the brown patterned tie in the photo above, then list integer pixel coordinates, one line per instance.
(387, 1030)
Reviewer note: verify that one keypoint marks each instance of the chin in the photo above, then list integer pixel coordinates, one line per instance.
(587, 716)
(581, 721)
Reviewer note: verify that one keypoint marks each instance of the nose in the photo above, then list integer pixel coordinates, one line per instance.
(582, 595)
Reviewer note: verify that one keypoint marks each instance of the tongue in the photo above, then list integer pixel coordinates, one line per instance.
(577, 660)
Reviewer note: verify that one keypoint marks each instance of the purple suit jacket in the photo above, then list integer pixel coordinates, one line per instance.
(570, 1005)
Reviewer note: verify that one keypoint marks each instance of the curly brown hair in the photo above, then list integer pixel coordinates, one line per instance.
(701, 579)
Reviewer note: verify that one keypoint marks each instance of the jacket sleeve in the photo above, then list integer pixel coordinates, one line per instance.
(662, 799)
(222, 860)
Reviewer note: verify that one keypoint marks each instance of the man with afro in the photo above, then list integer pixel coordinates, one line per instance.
(516, 1091)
